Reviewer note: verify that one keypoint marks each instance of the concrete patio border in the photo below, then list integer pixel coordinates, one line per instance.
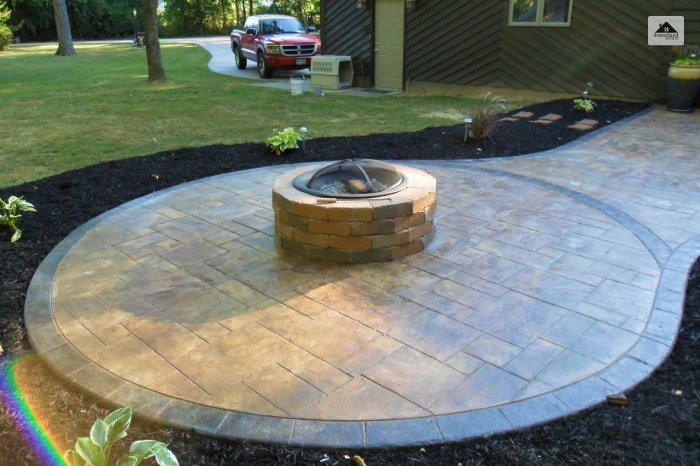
(638, 363)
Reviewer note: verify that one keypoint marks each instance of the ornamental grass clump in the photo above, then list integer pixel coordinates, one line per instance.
(10, 214)
(95, 450)
(483, 113)
(283, 141)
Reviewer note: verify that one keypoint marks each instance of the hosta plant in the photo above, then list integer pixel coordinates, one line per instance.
(584, 103)
(283, 140)
(95, 450)
(10, 214)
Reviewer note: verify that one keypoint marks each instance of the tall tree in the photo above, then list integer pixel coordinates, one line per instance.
(65, 40)
(224, 6)
(156, 72)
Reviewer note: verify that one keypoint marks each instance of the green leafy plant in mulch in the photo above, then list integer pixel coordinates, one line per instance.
(584, 103)
(95, 450)
(283, 141)
(10, 214)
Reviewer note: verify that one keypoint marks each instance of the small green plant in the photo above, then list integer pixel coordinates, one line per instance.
(482, 116)
(283, 140)
(95, 450)
(10, 214)
(686, 55)
(584, 103)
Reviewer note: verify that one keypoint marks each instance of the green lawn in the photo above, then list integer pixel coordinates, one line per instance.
(61, 113)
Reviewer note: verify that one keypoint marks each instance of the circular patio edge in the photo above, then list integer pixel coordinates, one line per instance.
(648, 352)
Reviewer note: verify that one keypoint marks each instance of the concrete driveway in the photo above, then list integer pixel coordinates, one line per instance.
(222, 62)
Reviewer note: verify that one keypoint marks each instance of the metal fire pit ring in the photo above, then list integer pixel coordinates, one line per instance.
(366, 169)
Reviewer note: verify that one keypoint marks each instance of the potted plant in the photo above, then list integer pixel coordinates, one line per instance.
(684, 79)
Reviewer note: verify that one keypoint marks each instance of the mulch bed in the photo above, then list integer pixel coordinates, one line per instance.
(661, 426)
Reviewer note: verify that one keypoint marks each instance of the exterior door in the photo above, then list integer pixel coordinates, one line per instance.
(388, 43)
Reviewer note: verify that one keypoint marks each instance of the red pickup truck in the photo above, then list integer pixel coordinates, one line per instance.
(275, 42)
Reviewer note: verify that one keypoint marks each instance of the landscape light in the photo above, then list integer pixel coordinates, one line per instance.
(302, 132)
(467, 127)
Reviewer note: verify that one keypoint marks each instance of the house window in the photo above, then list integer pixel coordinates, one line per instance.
(540, 12)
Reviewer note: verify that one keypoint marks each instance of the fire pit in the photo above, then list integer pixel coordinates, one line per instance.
(354, 211)
(349, 179)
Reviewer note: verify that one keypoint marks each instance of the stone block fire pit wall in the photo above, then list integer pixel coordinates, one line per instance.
(354, 231)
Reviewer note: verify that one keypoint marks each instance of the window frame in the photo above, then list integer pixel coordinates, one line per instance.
(538, 17)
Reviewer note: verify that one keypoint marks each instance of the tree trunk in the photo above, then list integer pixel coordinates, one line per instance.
(65, 40)
(238, 14)
(224, 4)
(302, 13)
(200, 16)
(250, 9)
(156, 72)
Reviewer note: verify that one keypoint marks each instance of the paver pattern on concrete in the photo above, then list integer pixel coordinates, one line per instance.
(553, 280)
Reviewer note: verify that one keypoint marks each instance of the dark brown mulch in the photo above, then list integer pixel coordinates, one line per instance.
(658, 428)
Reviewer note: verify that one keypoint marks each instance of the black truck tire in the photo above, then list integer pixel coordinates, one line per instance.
(241, 61)
(263, 70)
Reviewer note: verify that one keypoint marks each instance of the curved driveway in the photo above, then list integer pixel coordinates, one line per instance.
(222, 62)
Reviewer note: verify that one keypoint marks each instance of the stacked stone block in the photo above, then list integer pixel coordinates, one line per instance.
(355, 231)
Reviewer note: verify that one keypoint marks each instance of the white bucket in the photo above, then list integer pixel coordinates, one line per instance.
(296, 83)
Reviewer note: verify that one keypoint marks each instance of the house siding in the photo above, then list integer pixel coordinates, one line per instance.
(347, 30)
(606, 44)
(469, 42)
(456, 42)
(690, 10)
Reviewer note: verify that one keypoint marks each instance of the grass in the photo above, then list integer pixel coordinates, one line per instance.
(62, 113)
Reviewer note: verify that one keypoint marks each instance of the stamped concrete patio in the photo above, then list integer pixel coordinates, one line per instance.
(554, 280)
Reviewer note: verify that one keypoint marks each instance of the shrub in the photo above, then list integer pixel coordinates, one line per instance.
(5, 32)
(5, 37)
(283, 141)
(10, 214)
(94, 450)
(482, 116)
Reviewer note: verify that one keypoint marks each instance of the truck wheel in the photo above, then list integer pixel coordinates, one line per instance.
(263, 70)
(241, 61)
